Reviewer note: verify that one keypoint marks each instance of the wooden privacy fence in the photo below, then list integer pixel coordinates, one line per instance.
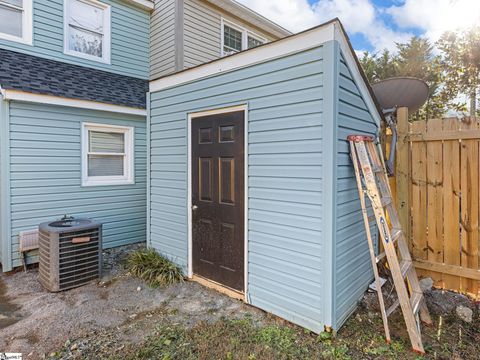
(437, 195)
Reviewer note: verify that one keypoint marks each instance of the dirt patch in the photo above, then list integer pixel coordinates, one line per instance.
(45, 321)
(8, 310)
(172, 333)
(120, 317)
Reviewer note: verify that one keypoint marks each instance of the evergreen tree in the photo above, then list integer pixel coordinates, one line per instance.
(416, 59)
(461, 66)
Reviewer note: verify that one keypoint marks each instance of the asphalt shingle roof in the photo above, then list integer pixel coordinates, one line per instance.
(49, 77)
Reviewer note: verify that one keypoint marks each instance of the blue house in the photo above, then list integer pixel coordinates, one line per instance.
(250, 185)
(73, 79)
(236, 166)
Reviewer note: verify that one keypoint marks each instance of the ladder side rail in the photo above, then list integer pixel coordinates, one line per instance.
(370, 242)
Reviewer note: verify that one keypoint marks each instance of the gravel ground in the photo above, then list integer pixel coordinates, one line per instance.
(115, 316)
(44, 322)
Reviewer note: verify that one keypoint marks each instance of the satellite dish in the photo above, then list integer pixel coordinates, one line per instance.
(401, 92)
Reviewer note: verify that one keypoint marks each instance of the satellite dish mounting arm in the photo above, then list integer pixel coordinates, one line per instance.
(390, 117)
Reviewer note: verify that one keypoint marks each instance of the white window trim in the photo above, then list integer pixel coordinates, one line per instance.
(27, 25)
(245, 34)
(107, 35)
(129, 177)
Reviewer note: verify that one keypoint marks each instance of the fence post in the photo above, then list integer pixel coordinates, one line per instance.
(402, 172)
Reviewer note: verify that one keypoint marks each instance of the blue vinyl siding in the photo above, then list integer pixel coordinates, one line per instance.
(286, 243)
(129, 40)
(353, 269)
(45, 174)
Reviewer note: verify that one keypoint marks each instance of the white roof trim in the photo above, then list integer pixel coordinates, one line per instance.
(341, 38)
(60, 101)
(293, 44)
(250, 16)
(144, 4)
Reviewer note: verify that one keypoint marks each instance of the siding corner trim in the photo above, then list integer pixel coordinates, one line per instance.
(5, 204)
(330, 122)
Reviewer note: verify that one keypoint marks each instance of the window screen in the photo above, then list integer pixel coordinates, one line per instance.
(11, 17)
(106, 154)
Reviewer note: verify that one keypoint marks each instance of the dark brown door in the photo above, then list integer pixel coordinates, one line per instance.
(218, 198)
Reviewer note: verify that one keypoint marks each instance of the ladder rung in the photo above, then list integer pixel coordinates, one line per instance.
(392, 308)
(405, 266)
(395, 234)
(415, 301)
(386, 201)
(380, 256)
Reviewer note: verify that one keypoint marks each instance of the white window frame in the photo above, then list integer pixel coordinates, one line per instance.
(27, 25)
(107, 33)
(128, 165)
(245, 34)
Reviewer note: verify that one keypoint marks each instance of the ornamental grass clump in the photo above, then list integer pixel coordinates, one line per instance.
(154, 268)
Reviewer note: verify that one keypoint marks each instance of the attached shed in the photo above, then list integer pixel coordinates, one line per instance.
(249, 178)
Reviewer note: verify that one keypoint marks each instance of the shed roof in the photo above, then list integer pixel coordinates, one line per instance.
(38, 75)
(332, 30)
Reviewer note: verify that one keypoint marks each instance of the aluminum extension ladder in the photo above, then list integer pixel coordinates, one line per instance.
(372, 180)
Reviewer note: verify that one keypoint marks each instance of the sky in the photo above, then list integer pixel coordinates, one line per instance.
(374, 25)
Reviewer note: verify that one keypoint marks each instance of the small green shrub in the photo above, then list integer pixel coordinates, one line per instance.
(154, 268)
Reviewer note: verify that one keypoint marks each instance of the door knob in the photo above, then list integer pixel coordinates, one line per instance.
(194, 207)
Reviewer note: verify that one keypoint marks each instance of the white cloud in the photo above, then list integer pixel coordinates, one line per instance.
(432, 17)
(358, 17)
(294, 15)
(436, 16)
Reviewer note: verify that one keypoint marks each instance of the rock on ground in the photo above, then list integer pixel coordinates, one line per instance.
(464, 313)
(426, 284)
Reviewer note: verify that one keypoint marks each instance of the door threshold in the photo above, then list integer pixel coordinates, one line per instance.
(218, 287)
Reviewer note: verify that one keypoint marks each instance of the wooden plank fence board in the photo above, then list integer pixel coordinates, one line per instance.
(434, 198)
(402, 172)
(451, 204)
(419, 194)
(469, 205)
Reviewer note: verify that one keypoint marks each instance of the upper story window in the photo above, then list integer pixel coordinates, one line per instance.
(87, 29)
(16, 20)
(236, 38)
(107, 155)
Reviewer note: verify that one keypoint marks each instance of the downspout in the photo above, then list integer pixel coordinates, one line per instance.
(148, 238)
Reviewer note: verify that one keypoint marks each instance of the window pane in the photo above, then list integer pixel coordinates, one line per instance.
(10, 21)
(105, 142)
(86, 16)
(85, 42)
(105, 165)
(232, 38)
(253, 42)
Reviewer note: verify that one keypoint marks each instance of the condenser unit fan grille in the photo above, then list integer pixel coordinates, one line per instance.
(78, 261)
